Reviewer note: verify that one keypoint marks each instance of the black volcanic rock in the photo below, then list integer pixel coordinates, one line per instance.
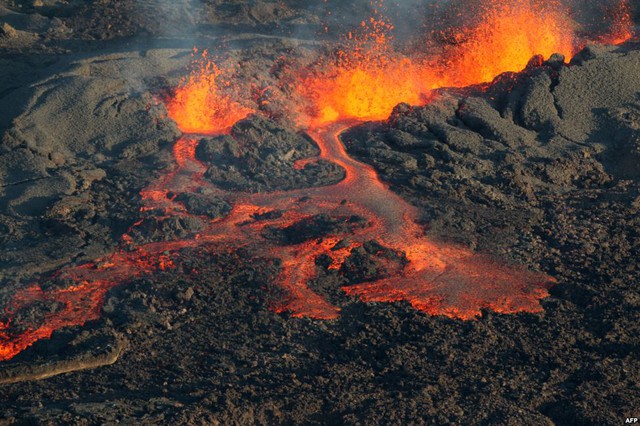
(556, 132)
(156, 229)
(259, 155)
(312, 228)
(204, 204)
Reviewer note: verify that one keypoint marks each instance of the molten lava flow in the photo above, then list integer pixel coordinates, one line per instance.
(200, 104)
(76, 304)
(439, 279)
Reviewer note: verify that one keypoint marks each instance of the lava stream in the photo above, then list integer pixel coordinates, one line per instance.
(439, 279)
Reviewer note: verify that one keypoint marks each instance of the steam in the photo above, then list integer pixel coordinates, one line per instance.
(184, 19)
(187, 23)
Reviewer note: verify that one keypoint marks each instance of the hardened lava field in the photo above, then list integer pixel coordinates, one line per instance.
(319, 215)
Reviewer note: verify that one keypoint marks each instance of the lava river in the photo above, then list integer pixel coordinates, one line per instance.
(439, 279)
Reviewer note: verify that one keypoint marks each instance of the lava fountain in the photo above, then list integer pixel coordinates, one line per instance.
(204, 102)
(367, 78)
(505, 39)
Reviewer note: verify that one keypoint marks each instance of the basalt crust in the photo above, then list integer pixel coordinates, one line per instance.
(103, 356)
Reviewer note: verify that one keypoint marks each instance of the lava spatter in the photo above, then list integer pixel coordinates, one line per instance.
(368, 76)
(505, 39)
(365, 79)
(621, 27)
(204, 102)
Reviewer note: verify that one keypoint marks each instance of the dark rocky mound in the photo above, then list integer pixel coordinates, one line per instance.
(203, 204)
(259, 155)
(313, 228)
(371, 262)
(156, 226)
(155, 229)
(485, 166)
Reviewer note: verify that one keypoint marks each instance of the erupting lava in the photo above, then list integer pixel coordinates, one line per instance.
(508, 36)
(622, 27)
(201, 105)
(368, 80)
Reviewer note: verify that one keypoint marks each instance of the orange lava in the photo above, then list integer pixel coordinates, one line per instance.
(73, 305)
(622, 28)
(509, 34)
(368, 78)
(202, 104)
